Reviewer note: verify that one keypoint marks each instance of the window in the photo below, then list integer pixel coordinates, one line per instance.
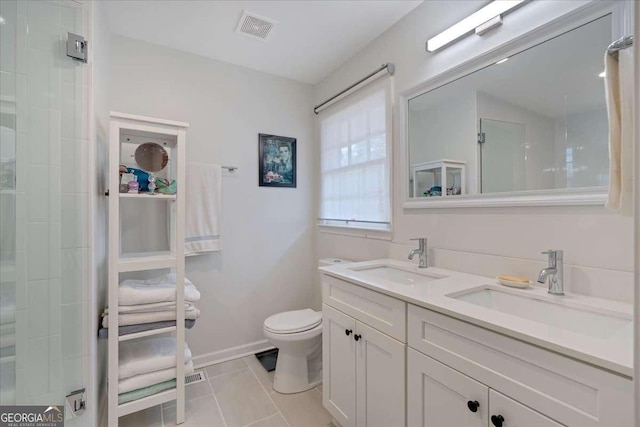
(355, 173)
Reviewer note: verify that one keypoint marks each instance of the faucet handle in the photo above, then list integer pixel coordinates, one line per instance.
(419, 238)
(554, 253)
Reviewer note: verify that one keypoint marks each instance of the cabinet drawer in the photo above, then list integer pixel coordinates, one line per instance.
(379, 311)
(515, 414)
(566, 390)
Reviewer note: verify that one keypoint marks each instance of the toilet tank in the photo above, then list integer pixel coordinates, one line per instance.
(317, 289)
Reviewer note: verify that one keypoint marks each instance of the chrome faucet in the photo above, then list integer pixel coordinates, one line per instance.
(422, 251)
(555, 272)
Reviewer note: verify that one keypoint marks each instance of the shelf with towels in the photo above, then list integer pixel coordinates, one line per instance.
(156, 387)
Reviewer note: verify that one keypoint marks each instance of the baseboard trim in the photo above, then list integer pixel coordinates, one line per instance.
(231, 353)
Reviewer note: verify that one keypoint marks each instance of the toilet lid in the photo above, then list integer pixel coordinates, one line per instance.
(290, 322)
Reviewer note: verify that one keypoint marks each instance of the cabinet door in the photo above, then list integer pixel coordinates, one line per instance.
(506, 412)
(440, 396)
(380, 383)
(339, 366)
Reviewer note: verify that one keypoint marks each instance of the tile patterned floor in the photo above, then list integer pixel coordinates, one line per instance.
(238, 393)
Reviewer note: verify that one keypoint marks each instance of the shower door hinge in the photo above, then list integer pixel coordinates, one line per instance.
(481, 138)
(76, 402)
(77, 47)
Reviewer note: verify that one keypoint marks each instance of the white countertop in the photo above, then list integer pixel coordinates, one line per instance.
(614, 353)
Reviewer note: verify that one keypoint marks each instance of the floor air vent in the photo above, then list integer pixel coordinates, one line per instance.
(196, 377)
(255, 26)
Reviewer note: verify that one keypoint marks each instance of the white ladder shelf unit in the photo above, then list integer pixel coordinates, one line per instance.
(137, 130)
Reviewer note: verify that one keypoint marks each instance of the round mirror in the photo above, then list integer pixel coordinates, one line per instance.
(151, 157)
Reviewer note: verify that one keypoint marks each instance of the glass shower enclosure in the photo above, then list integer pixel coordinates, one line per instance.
(44, 205)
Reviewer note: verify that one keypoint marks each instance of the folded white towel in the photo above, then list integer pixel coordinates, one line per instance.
(147, 308)
(619, 93)
(159, 289)
(202, 221)
(151, 378)
(151, 317)
(148, 355)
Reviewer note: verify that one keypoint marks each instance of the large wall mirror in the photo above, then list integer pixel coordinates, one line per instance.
(531, 123)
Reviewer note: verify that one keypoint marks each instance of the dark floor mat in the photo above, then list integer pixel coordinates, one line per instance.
(268, 359)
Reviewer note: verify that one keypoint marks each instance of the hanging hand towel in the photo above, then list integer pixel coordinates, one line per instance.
(619, 92)
(202, 224)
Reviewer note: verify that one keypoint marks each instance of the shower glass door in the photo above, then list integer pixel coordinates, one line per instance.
(502, 155)
(44, 207)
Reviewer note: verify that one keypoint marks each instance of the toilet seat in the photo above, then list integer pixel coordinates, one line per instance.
(291, 322)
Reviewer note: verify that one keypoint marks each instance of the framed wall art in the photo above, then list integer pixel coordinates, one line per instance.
(277, 161)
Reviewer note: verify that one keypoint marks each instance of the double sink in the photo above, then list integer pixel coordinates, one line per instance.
(562, 312)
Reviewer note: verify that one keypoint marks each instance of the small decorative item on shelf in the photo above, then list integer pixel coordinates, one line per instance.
(433, 191)
(166, 186)
(125, 179)
(134, 187)
(151, 157)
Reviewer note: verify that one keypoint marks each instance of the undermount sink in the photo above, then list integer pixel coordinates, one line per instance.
(581, 320)
(398, 275)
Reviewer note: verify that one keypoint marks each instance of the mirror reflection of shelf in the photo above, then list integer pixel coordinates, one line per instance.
(148, 196)
(448, 175)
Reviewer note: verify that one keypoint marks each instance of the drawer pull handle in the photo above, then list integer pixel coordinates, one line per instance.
(348, 332)
(497, 420)
(473, 405)
(357, 337)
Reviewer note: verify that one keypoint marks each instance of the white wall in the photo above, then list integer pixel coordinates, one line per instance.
(267, 264)
(100, 50)
(587, 133)
(594, 239)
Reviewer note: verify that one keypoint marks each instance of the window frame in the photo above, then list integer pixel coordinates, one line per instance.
(360, 229)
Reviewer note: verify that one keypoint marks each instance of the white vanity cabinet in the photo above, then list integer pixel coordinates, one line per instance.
(457, 374)
(363, 368)
(527, 385)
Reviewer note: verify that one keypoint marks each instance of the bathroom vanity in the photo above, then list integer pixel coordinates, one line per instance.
(433, 347)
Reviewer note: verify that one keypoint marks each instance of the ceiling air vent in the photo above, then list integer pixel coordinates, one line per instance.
(255, 26)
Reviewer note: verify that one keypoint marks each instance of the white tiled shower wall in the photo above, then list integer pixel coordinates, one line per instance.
(50, 96)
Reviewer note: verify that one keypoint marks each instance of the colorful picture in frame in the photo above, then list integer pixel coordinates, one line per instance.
(277, 161)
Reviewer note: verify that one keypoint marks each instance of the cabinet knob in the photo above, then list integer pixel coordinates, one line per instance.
(473, 405)
(497, 420)
(357, 337)
(348, 332)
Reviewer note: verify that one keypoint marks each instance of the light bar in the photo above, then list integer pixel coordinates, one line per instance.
(469, 24)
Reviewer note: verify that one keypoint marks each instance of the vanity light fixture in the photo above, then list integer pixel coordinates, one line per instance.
(603, 74)
(502, 61)
(479, 20)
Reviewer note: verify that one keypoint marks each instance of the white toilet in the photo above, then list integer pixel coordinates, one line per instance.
(298, 336)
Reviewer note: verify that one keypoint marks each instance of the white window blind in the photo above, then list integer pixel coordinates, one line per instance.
(355, 162)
